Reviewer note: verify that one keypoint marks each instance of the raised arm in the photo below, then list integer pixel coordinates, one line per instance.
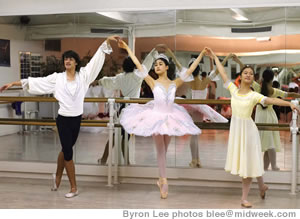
(171, 54)
(237, 60)
(177, 63)
(179, 81)
(282, 73)
(92, 69)
(149, 80)
(220, 67)
(148, 61)
(211, 64)
(215, 73)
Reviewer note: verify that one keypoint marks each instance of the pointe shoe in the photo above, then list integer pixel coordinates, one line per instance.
(246, 204)
(195, 163)
(160, 182)
(71, 194)
(275, 168)
(263, 192)
(54, 187)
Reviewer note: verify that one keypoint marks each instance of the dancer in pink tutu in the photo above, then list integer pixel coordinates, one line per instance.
(160, 118)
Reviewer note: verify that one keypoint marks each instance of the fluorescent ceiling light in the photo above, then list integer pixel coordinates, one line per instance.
(234, 38)
(272, 52)
(119, 16)
(239, 15)
(263, 39)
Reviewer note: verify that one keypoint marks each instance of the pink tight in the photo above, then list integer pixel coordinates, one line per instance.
(162, 143)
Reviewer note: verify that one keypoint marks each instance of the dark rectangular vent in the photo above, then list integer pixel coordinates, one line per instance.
(108, 31)
(53, 45)
(251, 29)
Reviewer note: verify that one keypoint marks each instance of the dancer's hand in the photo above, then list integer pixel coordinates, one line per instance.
(6, 86)
(294, 107)
(235, 58)
(164, 46)
(122, 44)
(209, 52)
(231, 55)
(115, 38)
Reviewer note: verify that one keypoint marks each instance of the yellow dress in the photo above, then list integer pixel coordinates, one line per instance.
(269, 139)
(244, 156)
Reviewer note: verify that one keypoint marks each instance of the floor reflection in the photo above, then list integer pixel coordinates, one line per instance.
(44, 146)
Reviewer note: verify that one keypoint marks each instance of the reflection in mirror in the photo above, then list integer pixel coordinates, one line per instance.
(254, 36)
(48, 36)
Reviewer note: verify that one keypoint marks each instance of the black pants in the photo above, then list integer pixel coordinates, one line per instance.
(68, 130)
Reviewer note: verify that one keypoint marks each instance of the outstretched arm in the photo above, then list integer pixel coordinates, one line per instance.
(39, 85)
(280, 102)
(220, 67)
(293, 95)
(179, 81)
(149, 80)
(9, 85)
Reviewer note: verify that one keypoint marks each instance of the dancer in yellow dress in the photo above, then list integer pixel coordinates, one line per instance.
(244, 157)
(270, 140)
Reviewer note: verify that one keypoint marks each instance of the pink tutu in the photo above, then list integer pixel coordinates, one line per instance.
(158, 117)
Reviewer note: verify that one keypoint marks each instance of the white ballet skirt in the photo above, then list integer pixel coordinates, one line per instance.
(199, 94)
(91, 108)
(207, 111)
(160, 116)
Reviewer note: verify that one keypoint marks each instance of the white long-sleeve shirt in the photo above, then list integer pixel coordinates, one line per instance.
(129, 83)
(70, 95)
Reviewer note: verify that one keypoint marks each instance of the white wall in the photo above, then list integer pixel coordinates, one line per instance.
(16, 35)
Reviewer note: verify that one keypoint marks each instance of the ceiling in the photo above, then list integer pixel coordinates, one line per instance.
(256, 16)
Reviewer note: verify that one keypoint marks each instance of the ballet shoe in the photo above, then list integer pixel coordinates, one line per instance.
(263, 192)
(71, 194)
(54, 187)
(160, 182)
(195, 163)
(275, 168)
(246, 204)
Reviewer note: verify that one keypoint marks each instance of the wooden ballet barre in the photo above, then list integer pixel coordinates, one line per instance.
(51, 122)
(103, 123)
(179, 101)
(260, 126)
(28, 99)
(15, 88)
(117, 100)
(44, 99)
(5, 102)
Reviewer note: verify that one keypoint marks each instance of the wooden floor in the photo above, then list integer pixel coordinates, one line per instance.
(36, 194)
(43, 146)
